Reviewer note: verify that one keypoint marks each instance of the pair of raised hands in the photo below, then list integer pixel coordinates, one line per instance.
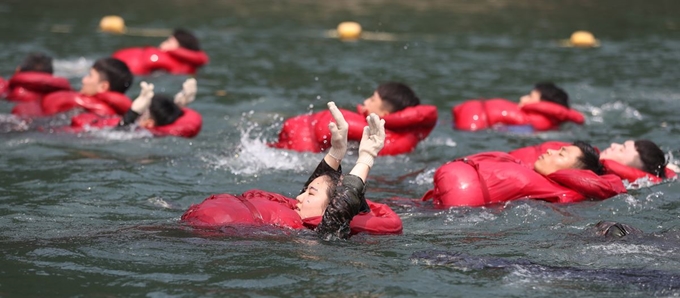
(183, 98)
(372, 140)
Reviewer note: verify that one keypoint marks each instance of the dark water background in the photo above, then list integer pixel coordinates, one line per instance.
(97, 215)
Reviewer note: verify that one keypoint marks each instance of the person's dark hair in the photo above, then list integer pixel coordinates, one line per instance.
(652, 157)
(186, 39)
(550, 92)
(342, 208)
(37, 62)
(589, 159)
(397, 96)
(163, 110)
(116, 72)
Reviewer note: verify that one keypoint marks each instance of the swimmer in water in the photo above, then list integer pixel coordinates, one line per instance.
(150, 110)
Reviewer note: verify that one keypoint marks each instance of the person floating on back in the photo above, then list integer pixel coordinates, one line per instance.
(32, 80)
(330, 203)
(157, 113)
(571, 173)
(632, 160)
(102, 92)
(546, 107)
(180, 53)
(407, 122)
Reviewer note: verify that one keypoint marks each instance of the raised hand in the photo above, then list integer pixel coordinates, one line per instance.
(143, 101)
(188, 93)
(338, 133)
(372, 141)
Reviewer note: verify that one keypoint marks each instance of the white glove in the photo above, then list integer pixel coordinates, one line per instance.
(338, 133)
(188, 93)
(372, 140)
(143, 101)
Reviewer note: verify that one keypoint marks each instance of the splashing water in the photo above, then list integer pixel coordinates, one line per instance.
(252, 155)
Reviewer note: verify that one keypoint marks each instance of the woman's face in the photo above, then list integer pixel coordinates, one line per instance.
(555, 160)
(625, 154)
(314, 200)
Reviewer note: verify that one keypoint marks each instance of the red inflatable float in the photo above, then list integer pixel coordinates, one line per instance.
(403, 130)
(481, 114)
(188, 125)
(498, 177)
(258, 208)
(145, 60)
(529, 154)
(105, 103)
(32, 86)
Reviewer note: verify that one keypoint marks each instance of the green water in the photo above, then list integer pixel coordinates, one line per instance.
(97, 215)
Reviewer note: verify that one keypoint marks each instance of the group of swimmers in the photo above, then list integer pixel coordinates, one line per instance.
(390, 121)
(101, 98)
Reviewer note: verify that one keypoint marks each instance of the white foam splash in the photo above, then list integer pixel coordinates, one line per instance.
(424, 178)
(10, 123)
(609, 109)
(118, 135)
(252, 155)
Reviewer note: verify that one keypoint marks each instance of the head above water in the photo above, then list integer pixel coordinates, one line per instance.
(390, 97)
(316, 195)
(644, 155)
(546, 91)
(162, 111)
(107, 74)
(38, 62)
(180, 38)
(580, 155)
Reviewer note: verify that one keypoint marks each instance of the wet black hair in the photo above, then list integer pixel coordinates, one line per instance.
(342, 208)
(550, 92)
(589, 159)
(652, 157)
(163, 110)
(38, 62)
(611, 229)
(116, 72)
(397, 96)
(186, 39)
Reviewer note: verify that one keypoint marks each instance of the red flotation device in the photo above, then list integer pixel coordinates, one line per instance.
(145, 60)
(259, 208)
(4, 86)
(403, 130)
(481, 114)
(105, 103)
(188, 125)
(32, 86)
(497, 177)
(529, 154)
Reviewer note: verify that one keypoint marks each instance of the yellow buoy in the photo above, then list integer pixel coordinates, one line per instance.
(349, 30)
(112, 24)
(583, 39)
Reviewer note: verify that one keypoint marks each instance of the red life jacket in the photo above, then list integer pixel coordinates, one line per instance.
(480, 114)
(403, 130)
(258, 208)
(32, 86)
(188, 125)
(145, 60)
(529, 154)
(4, 85)
(497, 177)
(105, 103)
